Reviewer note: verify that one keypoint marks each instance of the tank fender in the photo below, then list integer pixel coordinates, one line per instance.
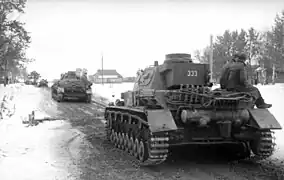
(161, 120)
(264, 119)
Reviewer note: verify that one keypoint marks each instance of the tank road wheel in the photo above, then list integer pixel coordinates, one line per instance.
(119, 144)
(131, 149)
(88, 99)
(136, 147)
(150, 151)
(108, 132)
(129, 145)
(142, 151)
(115, 139)
(112, 136)
(263, 147)
(123, 141)
(60, 98)
(126, 140)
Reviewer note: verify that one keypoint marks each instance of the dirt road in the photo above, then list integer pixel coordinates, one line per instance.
(74, 147)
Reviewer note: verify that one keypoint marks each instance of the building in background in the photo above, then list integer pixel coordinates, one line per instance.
(107, 76)
(129, 79)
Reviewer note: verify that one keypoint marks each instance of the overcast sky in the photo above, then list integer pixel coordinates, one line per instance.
(131, 34)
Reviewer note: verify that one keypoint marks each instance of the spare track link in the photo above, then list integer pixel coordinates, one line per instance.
(265, 146)
(147, 148)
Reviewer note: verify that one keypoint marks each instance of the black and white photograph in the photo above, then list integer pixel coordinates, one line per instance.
(141, 90)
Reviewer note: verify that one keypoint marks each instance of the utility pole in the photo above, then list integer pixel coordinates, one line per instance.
(211, 58)
(283, 34)
(102, 69)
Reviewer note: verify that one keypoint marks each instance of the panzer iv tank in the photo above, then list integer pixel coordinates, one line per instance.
(70, 86)
(43, 83)
(173, 105)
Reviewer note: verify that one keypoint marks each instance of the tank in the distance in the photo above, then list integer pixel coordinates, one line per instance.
(172, 104)
(72, 86)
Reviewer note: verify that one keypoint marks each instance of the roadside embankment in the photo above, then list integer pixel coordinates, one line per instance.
(7, 97)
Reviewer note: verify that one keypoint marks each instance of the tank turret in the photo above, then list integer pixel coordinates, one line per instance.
(177, 69)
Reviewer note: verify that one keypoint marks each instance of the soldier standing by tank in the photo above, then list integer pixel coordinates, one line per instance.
(84, 78)
(235, 78)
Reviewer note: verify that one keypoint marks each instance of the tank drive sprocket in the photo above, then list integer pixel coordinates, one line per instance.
(148, 148)
(264, 146)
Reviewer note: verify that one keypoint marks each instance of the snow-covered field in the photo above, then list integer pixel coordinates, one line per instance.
(108, 90)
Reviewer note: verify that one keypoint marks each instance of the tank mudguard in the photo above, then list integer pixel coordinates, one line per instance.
(264, 119)
(161, 120)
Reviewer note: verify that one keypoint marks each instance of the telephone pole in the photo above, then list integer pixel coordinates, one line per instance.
(283, 34)
(102, 69)
(211, 58)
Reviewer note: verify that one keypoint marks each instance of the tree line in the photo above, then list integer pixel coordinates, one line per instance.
(14, 39)
(263, 48)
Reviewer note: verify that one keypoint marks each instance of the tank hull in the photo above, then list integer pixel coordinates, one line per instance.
(156, 132)
(61, 92)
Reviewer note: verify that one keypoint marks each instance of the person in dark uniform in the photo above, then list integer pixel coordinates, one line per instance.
(225, 72)
(234, 78)
(6, 80)
(84, 78)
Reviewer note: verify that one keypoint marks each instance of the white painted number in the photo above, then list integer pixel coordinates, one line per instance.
(192, 73)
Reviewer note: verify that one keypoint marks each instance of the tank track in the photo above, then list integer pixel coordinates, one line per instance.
(264, 146)
(149, 149)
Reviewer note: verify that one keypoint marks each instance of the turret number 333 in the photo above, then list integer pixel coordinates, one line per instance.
(192, 73)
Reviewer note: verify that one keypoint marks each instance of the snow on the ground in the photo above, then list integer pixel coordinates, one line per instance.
(108, 90)
(274, 94)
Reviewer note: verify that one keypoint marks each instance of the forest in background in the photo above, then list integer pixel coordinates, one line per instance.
(14, 39)
(265, 49)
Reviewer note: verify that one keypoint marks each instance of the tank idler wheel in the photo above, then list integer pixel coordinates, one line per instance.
(126, 140)
(136, 147)
(131, 150)
(141, 151)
